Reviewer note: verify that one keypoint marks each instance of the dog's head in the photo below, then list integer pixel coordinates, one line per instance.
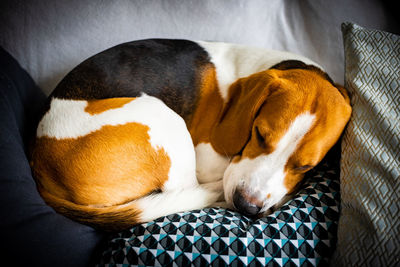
(277, 125)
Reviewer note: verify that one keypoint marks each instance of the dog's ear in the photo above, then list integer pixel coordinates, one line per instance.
(246, 96)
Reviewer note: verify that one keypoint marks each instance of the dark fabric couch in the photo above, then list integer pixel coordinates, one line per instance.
(32, 234)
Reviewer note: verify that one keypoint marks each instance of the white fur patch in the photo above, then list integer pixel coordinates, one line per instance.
(210, 166)
(165, 203)
(264, 175)
(233, 61)
(68, 119)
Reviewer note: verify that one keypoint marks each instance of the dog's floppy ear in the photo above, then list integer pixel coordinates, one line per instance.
(246, 96)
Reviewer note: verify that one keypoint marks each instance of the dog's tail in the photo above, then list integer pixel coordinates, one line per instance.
(145, 209)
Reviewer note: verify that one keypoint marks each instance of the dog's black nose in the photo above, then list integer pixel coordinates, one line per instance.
(244, 204)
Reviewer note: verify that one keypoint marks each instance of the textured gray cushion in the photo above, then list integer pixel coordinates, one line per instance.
(369, 225)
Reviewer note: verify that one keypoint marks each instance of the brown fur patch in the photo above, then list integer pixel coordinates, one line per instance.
(98, 106)
(208, 108)
(111, 166)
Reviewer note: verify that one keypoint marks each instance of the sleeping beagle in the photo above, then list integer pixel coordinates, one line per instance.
(153, 127)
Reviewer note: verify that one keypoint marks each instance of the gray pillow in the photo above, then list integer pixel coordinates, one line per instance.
(369, 224)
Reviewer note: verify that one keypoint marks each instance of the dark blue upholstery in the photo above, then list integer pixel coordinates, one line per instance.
(31, 233)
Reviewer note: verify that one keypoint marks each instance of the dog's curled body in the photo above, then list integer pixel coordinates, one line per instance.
(129, 133)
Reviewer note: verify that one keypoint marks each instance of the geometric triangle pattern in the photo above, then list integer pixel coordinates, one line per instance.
(301, 233)
(369, 225)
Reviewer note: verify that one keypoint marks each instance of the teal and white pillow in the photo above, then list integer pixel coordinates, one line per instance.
(301, 233)
(369, 224)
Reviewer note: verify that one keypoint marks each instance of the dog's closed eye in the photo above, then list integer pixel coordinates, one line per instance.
(260, 138)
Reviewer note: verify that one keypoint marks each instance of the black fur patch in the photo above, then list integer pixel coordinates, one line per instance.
(167, 69)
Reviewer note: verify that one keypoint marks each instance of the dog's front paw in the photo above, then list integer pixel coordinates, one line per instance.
(216, 187)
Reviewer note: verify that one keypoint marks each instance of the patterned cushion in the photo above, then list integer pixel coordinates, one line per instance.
(369, 226)
(302, 232)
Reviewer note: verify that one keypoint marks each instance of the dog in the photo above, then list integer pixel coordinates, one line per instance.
(153, 127)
